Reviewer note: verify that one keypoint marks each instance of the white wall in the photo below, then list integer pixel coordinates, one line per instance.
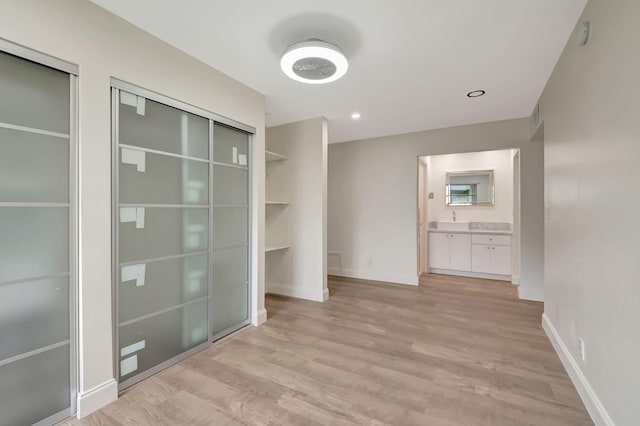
(499, 161)
(105, 46)
(373, 203)
(300, 271)
(591, 114)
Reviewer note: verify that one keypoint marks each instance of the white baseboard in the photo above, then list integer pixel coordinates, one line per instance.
(334, 271)
(591, 401)
(298, 293)
(97, 397)
(515, 279)
(470, 274)
(352, 273)
(528, 293)
(325, 295)
(260, 318)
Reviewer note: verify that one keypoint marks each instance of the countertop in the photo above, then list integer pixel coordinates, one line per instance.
(471, 231)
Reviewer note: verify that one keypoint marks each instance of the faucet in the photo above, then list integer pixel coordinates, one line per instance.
(454, 215)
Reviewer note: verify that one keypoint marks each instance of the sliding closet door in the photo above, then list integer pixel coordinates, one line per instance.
(230, 256)
(162, 180)
(181, 230)
(36, 245)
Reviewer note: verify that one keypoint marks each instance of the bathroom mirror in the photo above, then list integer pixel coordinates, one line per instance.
(470, 188)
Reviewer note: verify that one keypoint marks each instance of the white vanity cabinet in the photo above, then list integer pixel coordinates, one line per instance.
(450, 251)
(491, 254)
(471, 254)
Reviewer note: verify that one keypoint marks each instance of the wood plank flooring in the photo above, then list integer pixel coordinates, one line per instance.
(453, 351)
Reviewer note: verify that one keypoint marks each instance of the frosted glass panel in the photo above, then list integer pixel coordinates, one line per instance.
(165, 336)
(229, 145)
(35, 388)
(165, 180)
(33, 315)
(230, 186)
(229, 306)
(162, 127)
(33, 167)
(166, 284)
(229, 227)
(229, 297)
(230, 266)
(34, 241)
(166, 232)
(33, 95)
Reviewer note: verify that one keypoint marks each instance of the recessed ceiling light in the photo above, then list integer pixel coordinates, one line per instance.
(476, 94)
(355, 115)
(314, 62)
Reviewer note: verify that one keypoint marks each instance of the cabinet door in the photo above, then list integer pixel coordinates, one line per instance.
(460, 252)
(501, 260)
(481, 258)
(438, 250)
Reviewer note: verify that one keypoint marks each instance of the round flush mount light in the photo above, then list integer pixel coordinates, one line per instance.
(314, 62)
(355, 115)
(476, 94)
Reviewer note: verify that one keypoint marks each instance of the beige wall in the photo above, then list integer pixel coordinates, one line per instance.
(105, 46)
(591, 114)
(300, 271)
(373, 201)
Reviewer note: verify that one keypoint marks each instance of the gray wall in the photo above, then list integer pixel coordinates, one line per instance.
(373, 197)
(591, 113)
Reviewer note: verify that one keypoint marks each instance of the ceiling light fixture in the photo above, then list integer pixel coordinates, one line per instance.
(476, 94)
(314, 62)
(355, 115)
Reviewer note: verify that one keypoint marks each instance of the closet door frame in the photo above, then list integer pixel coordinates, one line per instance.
(73, 71)
(117, 86)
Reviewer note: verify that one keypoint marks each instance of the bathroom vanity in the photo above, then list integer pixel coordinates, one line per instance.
(470, 249)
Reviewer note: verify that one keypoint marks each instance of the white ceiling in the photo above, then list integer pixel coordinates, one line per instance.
(412, 62)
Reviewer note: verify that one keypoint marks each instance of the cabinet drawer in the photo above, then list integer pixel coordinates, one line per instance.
(496, 240)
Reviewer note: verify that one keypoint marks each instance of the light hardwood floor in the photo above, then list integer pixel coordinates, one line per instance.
(453, 351)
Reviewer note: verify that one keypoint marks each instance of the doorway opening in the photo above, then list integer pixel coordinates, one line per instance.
(469, 214)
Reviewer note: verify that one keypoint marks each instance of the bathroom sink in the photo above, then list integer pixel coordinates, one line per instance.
(453, 226)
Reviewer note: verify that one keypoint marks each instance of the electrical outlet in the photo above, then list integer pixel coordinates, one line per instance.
(581, 346)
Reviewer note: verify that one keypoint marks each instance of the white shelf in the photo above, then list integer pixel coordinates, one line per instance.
(275, 248)
(272, 156)
(277, 203)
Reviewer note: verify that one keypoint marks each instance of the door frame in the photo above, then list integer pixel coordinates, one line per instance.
(421, 217)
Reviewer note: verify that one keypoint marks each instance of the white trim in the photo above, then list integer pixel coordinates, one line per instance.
(334, 271)
(97, 397)
(515, 279)
(591, 401)
(261, 317)
(394, 279)
(325, 294)
(298, 293)
(528, 293)
(470, 274)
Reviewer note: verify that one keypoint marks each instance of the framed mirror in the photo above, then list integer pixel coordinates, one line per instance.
(470, 188)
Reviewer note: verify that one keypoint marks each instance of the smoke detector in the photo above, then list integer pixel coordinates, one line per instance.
(314, 62)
